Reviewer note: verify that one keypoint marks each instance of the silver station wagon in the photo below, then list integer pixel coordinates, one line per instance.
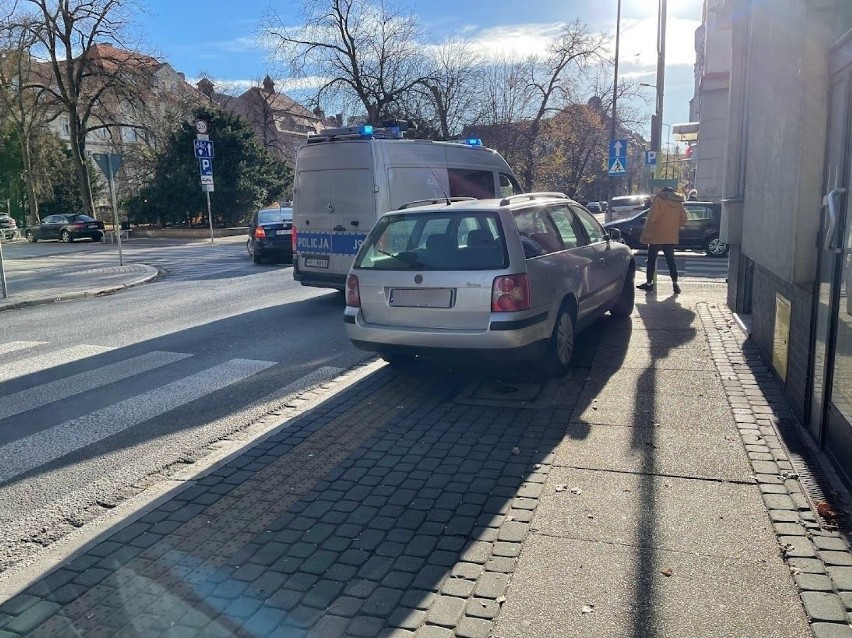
(502, 279)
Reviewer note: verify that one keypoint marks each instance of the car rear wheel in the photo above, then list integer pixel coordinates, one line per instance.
(560, 351)
(97, 237)
(66, 237)
(31, 237)
(715, 247)
(624, 305)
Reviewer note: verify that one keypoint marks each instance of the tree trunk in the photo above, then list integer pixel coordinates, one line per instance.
(33, 217)
(81, 168)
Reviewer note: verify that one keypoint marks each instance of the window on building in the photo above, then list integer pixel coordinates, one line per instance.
(65, 128)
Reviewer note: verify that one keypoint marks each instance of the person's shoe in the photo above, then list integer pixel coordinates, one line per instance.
(646, 286)
(676, 288)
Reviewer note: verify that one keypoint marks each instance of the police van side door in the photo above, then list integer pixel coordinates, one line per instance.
(352, 211)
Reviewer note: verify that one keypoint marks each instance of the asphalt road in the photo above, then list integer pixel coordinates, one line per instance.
(100, 394)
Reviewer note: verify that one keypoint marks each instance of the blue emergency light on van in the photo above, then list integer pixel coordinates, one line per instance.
(473, 141)
(366, 130)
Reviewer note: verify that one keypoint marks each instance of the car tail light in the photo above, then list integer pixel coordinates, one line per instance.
(353, 293)
(510, 293)
(259, 233)
(293, 240)
(79, 226)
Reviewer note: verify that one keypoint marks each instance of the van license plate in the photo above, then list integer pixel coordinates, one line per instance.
(316, 262)
(421, 297)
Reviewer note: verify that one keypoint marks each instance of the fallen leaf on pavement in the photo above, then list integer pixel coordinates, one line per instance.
(516, 450)
(576, 491)
(588, 609)
(667, 572)
(561, 487)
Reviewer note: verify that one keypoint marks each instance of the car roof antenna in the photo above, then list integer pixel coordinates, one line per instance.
(438, 182)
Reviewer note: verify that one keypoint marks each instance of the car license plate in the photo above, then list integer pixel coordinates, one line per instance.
(316, 262)
(282, 232)
(421, 297)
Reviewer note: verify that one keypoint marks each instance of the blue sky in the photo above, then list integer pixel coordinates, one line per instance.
(218, 37)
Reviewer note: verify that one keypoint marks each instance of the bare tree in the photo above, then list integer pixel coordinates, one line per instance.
(452, 86)
(365, 54)
(94, 86)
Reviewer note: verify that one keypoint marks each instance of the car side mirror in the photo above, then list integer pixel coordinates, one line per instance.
(613, 234)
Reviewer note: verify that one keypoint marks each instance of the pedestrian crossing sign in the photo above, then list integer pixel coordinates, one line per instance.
(616, 167)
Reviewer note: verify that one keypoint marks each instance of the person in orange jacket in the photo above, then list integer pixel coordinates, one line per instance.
(662, 233)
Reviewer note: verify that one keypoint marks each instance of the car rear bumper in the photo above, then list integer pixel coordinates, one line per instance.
(88, 234)
(515, 340)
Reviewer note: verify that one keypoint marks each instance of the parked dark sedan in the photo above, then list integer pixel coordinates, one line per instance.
(271, 234)
(67, 228)
(700, 233)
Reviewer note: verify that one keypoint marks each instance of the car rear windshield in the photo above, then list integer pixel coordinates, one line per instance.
(275, 216)
(435, 241)
(80, 218)
(627, 201)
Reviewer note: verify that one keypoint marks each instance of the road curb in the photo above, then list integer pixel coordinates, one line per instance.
(150, 273)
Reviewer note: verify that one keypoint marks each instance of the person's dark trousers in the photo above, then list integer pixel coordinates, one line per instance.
(668, 251)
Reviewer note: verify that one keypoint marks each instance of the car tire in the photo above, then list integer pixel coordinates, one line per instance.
(560, 350)
(97, 237)
(256, 258)
(627, 297)
(66, 237)
(31, 237)
(715, 247)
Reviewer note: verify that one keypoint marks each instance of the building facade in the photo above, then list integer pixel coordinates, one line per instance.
(786, 204)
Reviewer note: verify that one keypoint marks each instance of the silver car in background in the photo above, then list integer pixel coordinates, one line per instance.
(506, 280)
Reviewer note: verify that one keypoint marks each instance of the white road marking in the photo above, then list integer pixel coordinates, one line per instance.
(14, 346)
(47, 393)
(49, 360)
(42, 447)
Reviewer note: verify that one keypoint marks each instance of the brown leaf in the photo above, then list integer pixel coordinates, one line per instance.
(667, 572)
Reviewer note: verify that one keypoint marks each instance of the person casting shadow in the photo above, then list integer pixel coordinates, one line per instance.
(662, 233)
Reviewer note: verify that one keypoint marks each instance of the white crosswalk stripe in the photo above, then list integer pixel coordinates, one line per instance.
(30, 452)
(46, 393)
(15, 346)
(37, 363)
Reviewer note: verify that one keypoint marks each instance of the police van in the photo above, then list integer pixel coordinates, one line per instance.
(347, 177)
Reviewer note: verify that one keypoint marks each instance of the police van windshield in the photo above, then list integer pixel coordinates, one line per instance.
(435, 241)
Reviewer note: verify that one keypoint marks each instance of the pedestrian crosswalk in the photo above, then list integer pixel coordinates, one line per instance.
(689, 266)
(34, 430)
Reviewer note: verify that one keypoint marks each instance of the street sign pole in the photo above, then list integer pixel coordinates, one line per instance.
(116, 225)
(3, 289)
(209, 215)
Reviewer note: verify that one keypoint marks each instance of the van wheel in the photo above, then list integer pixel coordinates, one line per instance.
(624, 305)
(560, 351)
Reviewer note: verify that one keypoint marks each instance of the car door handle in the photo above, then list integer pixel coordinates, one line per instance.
(339, 227)
(354, 222)
(831, 231)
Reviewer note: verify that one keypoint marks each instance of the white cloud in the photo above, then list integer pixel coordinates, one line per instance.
(639, 41)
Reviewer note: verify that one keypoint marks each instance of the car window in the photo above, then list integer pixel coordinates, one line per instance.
(594, 230)
(80, 218)
(696, 213)
(53, 219)
(275, 216)
(466, 182)
(562, 217)
(509, 186)
(435, 241)
(539, 236)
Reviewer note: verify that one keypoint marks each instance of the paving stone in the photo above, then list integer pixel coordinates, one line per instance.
(430, 577)
(842, 577)
(778, 502)
(323, 594)
(382, 602)
(346, 606)
(329, 627)
(836, 558)
(458, 587)
(474, 628)
(467, 570)
(814, 582)
(376, 568)
(783, 516)
(798, 547)
(446, 611)
(491, 585)
(824, 606)
(513, 532)
(417, 599)
(845, 596)
(361, 588)
(501, 564)
(831, 630)
(409, 619)
(303, 616)
(431, 631)
(482, 608)
(477, 552)
(398, 580)
(32, 617)
(286, 599)
(365, 626)
(789, 529)
(831, 543)
(92, 576)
